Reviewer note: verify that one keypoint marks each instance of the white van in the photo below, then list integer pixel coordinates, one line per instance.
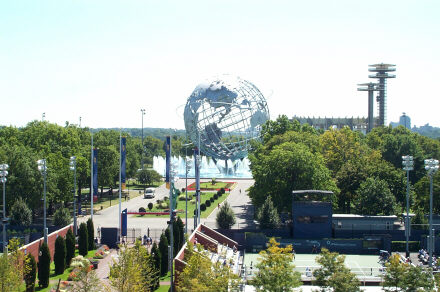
(149, 193)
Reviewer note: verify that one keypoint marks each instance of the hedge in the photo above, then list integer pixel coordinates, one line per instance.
(414, 246)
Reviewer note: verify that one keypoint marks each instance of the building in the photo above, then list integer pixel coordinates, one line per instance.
(405, 121)
(355, 124)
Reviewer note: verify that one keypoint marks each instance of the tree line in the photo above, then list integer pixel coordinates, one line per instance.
(364, 171)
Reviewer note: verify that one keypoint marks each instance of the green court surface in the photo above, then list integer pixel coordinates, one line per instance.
(361, 265)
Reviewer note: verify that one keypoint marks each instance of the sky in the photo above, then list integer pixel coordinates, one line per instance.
(104, 61)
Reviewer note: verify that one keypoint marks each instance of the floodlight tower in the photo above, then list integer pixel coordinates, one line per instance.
(370, 87)
(382, 74)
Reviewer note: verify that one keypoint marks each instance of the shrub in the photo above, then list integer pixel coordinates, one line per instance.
(90, 234)
(61, 217)
(208, 203)
(225, 217)
(83, 239)
(193, 201)
(397, 246)
(222, 190)
(43, 266)
(59, 256)
(202, 207)
(21, 215)
(150, 206)
(30, 273)
(215, 197)
(142, 209)
(70, 246)
(211, 199)
(79, 262)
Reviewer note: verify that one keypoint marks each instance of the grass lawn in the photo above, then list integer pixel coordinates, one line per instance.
(53, 279)
(163, 288)
(191, 206)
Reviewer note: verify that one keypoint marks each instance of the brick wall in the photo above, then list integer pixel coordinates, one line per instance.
(34, 247)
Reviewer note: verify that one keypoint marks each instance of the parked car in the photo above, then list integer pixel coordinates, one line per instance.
(149, 193)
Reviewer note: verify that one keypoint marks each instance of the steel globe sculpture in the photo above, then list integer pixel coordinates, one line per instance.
(225, 113)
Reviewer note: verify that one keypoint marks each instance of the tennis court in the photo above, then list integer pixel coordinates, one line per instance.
(362, 265)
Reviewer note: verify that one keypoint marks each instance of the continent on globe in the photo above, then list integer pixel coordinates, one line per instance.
(223, 115)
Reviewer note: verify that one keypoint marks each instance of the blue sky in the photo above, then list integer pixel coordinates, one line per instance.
(105, 60)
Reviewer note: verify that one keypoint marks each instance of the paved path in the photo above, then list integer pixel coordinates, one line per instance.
(239, 202)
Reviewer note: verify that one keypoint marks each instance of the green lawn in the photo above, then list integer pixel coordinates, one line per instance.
(163, 288)
(213, 187)
(191, 206)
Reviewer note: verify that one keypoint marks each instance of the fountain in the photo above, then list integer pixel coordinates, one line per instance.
(209, 168)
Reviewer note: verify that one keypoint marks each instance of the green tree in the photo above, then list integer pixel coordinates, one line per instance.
(155, 253)
(90, 234)
(375, 198)
(59, 256)
(12, 267)
(83, 239)
(86, 280)
(278, 127)
(225, 217)
(21, 215)
(148, 176)
(200, 274)
(181, 228)
(30, 272)
(70, 246)
(61, 217)
(333, 274)
(163, 249)
(44, 266)
(404, 277)
(268, 215)
(276, 269)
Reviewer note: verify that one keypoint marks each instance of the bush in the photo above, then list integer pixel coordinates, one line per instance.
(215, 197)
(59, 256)
(225, 217)
(43, 266)
(61, 217)
(208, 203)
(222, 190)
(202, 207)
(21, 215)
(90, 234)
(414, 246)
(30, 273)
(142, 209)
(211, 199)
(83, 239)
(70, 246)
(150, 206)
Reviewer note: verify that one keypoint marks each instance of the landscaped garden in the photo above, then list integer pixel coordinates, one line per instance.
(209, 201)
(213, 185)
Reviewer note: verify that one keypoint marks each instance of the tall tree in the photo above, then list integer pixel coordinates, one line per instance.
(375, 198)
(163, 248)
(276, 269)
(268, 216)
(44, 265)
(59, 256)
(225, 217)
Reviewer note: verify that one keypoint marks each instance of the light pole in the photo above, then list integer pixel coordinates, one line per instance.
(431, 165)
(73, 168)
(408, 164)
(3, 174)
(142, 155)
(187, 169)
(43, 169)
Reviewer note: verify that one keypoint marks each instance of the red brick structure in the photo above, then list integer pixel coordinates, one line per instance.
(34, 247)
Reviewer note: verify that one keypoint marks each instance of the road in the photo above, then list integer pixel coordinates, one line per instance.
(238, 199)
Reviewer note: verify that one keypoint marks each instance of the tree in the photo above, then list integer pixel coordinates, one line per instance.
(21, 215)
(181, 228)
(30, 272)
(86, 280)
(43, 266)
(268, 215)
(12, 267)
(59, 256)
(70, 247)
(163, 248)
(225, 217)
(333, 274)
(276, 270)
(375, 198)
(134, 271)
(148, 176)
(90, 235)
(155, 253)
(61, 217)
(405, 277)
(83, 239)
(200, 274)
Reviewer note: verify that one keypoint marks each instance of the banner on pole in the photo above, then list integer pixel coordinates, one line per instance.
(95, 174)
(168, 161)
(123, 158)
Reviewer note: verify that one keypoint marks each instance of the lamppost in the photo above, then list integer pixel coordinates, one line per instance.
(3, 174)
(43, 169)
(431, 165)
(142, 155)
(73, 168)
(408, 164)
(187, 169)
